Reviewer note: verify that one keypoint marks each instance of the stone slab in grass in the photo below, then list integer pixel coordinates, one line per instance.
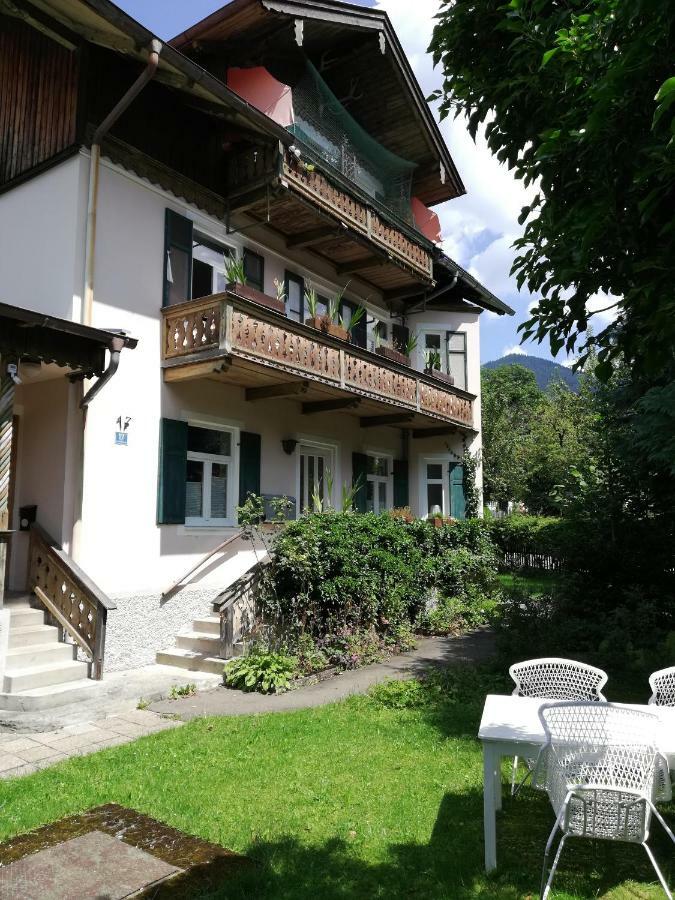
(111, 852)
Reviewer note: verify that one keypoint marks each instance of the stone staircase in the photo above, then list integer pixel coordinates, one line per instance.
(40, 670)
(198, 649)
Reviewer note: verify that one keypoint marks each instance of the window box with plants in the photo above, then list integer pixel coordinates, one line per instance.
(235, 278)
(332, 322)
(433, 368)
(399, 353)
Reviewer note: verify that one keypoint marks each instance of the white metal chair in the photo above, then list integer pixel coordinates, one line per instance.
(554, 678)
(602, 774)
(662, 684)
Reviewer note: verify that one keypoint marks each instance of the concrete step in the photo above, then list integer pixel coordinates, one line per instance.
(39, 654)
(192, 660)
(200, 642)
(24, 615)
(33, 634)
(17, 679)
(50, 696)
(207, 625)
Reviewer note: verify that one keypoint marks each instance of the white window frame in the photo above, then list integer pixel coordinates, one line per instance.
(208, 459)
(377, 480)
(439, 459)
(465, 354)
(309, 447)
(218, 268)
(422, 350)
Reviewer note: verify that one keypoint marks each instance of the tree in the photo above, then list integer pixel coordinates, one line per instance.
(578, 98)
(510, 400)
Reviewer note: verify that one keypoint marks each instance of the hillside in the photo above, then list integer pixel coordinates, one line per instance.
(545, 370)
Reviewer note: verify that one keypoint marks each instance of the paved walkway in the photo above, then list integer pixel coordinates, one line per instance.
(29, 751)
(430, 652)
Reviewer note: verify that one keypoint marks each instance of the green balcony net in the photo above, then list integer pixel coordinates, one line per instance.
(329, 131)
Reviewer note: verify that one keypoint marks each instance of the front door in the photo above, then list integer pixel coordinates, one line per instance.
(314, 479)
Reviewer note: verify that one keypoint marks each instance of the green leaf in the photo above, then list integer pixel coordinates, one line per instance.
(666, 88)
(548, 56)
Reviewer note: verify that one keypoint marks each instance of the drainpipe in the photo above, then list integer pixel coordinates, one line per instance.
(94, 165)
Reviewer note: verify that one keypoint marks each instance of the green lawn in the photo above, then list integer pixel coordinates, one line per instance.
(355, 800)
(532, 583)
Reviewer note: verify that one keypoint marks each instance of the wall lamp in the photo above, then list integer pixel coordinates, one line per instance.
(289, 445)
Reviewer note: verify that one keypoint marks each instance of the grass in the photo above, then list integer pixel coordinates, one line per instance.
(375, 797)
(540, 583)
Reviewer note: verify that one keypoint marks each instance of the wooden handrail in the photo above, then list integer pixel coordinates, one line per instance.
(70, 596)
(200, 563)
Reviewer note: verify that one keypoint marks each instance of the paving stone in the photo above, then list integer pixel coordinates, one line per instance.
(40, 751)
(18, 745)
(50, 760)
(75, 742)
(49, 737)
(129, 728)
(139, 716)
(9, 761)
(18, 772)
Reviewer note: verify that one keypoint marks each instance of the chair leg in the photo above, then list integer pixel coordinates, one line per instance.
(658, 871)
(549, 843)
(547, 889)
(514, 776)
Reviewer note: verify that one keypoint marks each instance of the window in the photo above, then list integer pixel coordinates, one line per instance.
(376, 332)
(436, 495)
(177, 258)
(433, 354)
(208, 267)
(457, 358)
(210, 488)
(254, 269)
(295, 290)
(378, 483)
(359, 331)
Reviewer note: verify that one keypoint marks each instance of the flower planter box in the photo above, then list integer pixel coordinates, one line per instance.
(256, 296)
(394, 355)
(440, 521)
(323, 323)
(440, 376)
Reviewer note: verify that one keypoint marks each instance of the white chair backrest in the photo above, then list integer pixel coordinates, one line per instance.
(554, 678)
(662, 684)
(602, 745)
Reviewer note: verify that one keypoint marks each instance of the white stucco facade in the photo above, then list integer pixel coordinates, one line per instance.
(112, 530)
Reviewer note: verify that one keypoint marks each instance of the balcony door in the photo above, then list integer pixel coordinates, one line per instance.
(315, 478)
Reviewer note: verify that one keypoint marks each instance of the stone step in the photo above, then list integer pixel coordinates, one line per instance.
(25, 615)
(33, 634)
(24, 657)
(191, 660)
(199, 641)
(43, 676)
(207, 625)
(50, 696)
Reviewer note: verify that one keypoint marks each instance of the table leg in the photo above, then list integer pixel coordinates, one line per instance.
(490, 771)
(498, 783)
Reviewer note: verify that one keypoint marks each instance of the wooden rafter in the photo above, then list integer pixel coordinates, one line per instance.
(319, 406)
(393, 419)
(286, 389)
(441, 431)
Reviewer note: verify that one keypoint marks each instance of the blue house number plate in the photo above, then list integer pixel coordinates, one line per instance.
(122, 438)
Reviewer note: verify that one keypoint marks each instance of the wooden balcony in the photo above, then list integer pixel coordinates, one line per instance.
(234, 340)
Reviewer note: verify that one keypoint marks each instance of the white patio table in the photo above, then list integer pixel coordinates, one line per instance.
(510, 726)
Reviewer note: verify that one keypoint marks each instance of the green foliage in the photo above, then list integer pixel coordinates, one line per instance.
(234, 270)
(337, 571)
(578, 100)
(471, 492)
(179, 690)
(457, 684)
(261, 671)
(453, 615)
(535, 534)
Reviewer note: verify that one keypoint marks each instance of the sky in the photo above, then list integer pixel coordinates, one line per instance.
(479, 228)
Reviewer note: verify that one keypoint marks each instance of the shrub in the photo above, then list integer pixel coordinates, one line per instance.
(261, 671)
(337, 571)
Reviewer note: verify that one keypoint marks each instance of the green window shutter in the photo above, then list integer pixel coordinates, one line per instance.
(360, 477)
(401, 492)
(254, 269)
(177, 258)
(249, 465)
(172, 472)
(457, 501)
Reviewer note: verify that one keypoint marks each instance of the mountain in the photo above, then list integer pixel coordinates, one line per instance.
(545, 370)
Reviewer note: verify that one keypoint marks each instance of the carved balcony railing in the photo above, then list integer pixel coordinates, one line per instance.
(69, 596)
(358, 215)
(224, 325)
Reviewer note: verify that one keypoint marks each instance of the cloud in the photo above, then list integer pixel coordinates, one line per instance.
(516, 350)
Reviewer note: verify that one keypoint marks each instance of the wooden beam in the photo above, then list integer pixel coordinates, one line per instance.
(286, 389)
(320, 406)
(441, 431)
(359, 264)
(312, 236)
(195, 370)
(394, 419)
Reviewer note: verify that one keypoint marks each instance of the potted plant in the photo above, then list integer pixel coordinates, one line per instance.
(327, 322)
(235, 279)
(399, 353)
(433, 367)
(353, 320)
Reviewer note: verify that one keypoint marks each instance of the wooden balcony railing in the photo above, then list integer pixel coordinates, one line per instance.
(69, 596)
(226, 325)
(358, 215)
